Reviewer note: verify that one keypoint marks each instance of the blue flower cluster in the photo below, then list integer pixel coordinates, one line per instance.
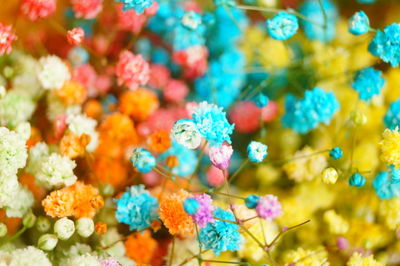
(187, 159)
(368, 82)
(138, 5)
(212, 123)
(386, 184)
(359, 23)
(219, 235)
(357, 180)
(314, 29)
(303, 115)
(143, 160)
(386, 44)
(392, 116)
(224, 79)
(336, 153)
(282, 26)
(136, 208)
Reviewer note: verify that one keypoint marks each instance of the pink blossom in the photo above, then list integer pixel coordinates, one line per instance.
(221, 156)
(36, 9)
(176, 91)
(215, 177)
(132, 70)
(86, 75)
(246, 117)
(193, 60)
(269, 207)
(159, 76)
(6, 39)
(270, 111)
(87, 9)
(130, 20)
(75, 36)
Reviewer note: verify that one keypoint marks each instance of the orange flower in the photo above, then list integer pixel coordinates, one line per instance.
(110, 171)
(138, 104)
(172, 161)
(119, 127)
(159, 141)
(92, 109)
(72, 93)
(59, 203)
(140, 247)
(100, 228)
(174, 216)
(73, 146)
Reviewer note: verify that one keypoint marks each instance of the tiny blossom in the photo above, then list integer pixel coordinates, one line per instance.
(359, 23)
(392, 116)
(269, 207)
(261, 100)
(52, 72)
(251, 201)
(245, 115)
(143, 160)
(75, 36)
(330, 175)
(64, 228)
(87, 9)
(390, 147)
(204, 214)
(221, 156)
(37, 9)
(336, 153)
(368, 82)
(29, 256)
(6, 39)
(257, 151)
(215, 177)
(282, 26)
(186, 133)
(191, 20)
(110, 261)
(357, 180)
(175, 91)
(137, 208)
(386, 44)
(132, 70)
(191, 206)
(138, 5)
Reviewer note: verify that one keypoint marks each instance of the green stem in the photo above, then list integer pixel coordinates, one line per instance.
(171, 257)
(235, 174)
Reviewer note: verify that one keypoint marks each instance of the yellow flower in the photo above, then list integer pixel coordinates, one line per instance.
(358, 260)
(389, 212)
(390, 147)
(273, 54)
(337, 224)
(306, 257)
(330, 175)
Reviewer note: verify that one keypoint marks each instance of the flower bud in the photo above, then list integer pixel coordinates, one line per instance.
(3, 229)
(43, 224)
(329, 175)
(85, 227)
(29, 220)
(358, 118)
(64, 228)
(47, 242)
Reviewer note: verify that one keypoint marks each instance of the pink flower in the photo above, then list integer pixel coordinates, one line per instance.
(221, 156)
(270, 111)
(269, 207)
(215, 177)
(86, 9)
(176, 91)
(36, 9)
(75, 36)
(86, 75)
(193, 60)
(132, 70)
(246, 117)
(130, 20)
(159, 76)
(6, 38)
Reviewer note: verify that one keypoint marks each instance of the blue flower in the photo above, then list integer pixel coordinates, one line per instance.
(143, 160)
(368, 82)
(312, 10)
(386, 185)
(138, 5)
(257, 151)
(219, 235)
(136, 208)
(251, 201)
(336, 153)
(187, 159)
(357, 180)
(212, 123)
(386, 44)
(392, 116)
(191, 206)
(359, 23)
(282, 26)
(261, 100)
(303, 115)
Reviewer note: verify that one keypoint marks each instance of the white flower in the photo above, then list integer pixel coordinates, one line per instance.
(29, 256)
(64, 228)
(15, 108)
(9, 187)
(20, 203)
(37, 154)
(47, 242)
(52, 72)
(82, 260)
(186, 134)
(85, 227)
(257, 151)
(56, 171)
(13, 153)
(27, 84)
(80, 124)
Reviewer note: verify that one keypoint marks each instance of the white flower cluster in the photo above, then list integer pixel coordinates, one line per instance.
(15, 108)
(80, 124)
(52, 72)
(29, 256)
(82, 260)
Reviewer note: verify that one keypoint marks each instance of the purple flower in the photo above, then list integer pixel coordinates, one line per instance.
(204, 214)
(221, 156)
(269, 207)
(110, 261)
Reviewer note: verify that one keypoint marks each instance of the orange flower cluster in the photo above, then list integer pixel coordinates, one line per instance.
(72, 93)
(174, 216)
(159, 141)
(141, 247)
(78, 200)
(138, 104)
(73, 146)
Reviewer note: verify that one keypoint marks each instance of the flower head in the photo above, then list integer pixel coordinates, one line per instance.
(390, 147)
(269, 207)
(386, 44)
(368, 82)
(204, 214)
(282, 26)
(52, 72)
(6, 39)
(392, 116)
(221, 156)
(75, 36)
(357, 180)
(359, 23)
(257, 151)
(87, 9)
(64, 228)
(37, 9)
(211, 122)
(186, 133)
(137, 208)
(336, 153)
(143, 160)
(132, 70)
(141, 247)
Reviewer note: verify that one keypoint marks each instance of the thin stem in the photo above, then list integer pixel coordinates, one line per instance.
(171, 257)
(238, 171)
(197, 164)
(193, 257)
(224, 220)
(285, 231)
(227, 195)
(15, 236)
(228, 262)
